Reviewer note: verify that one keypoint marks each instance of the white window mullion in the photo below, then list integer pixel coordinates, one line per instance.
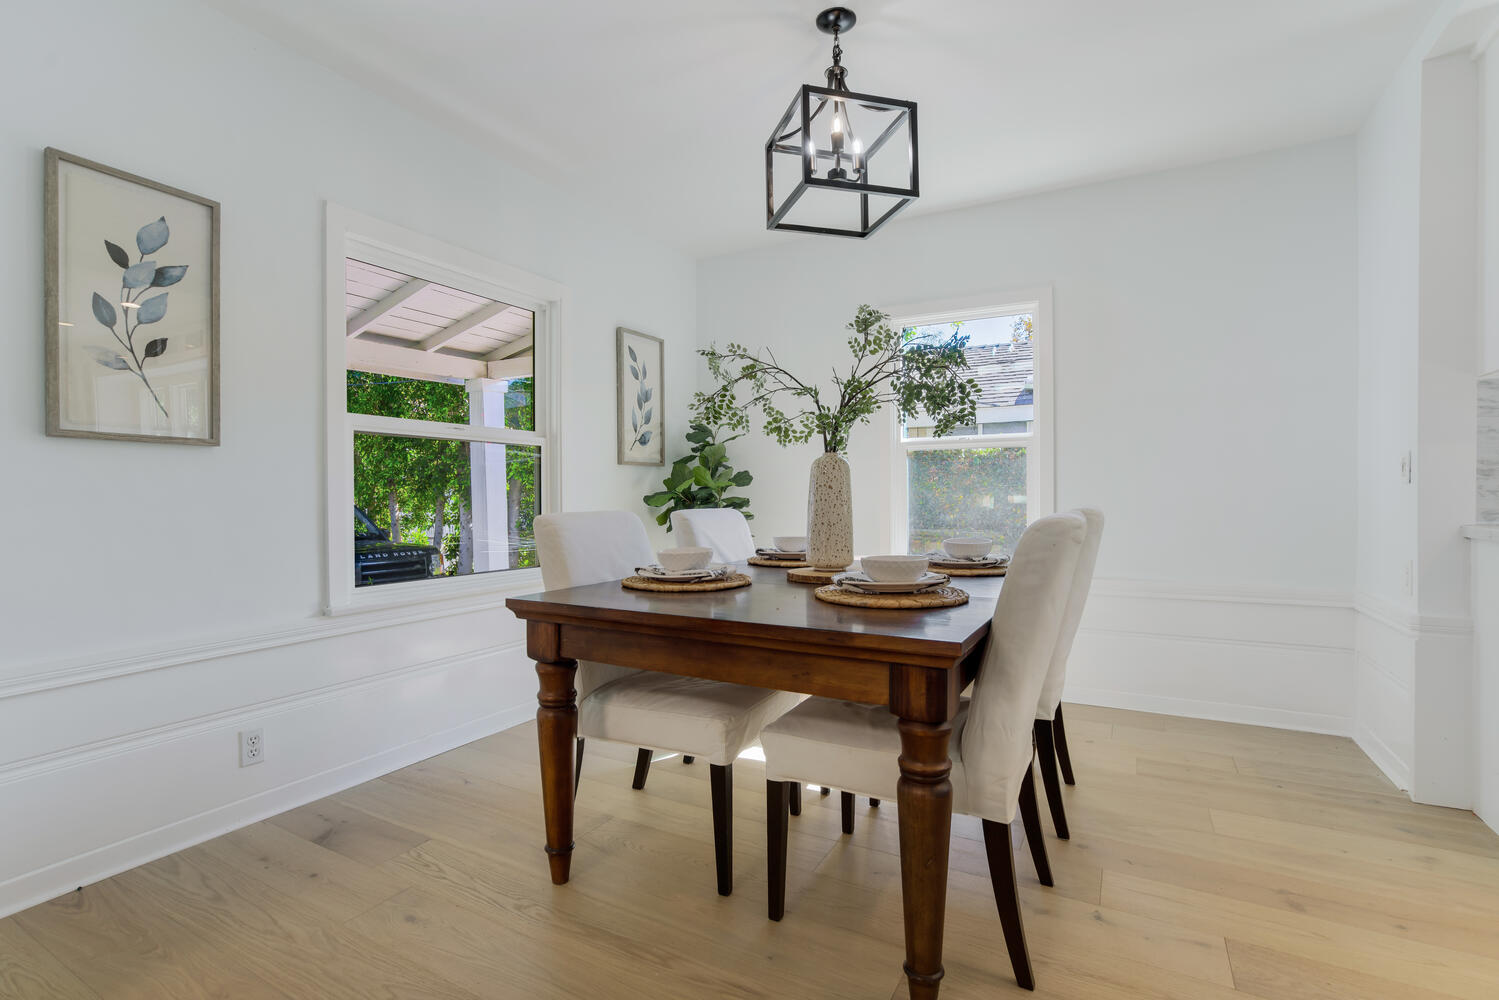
(365, 423)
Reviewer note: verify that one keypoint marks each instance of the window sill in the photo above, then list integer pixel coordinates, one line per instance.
(445, 596)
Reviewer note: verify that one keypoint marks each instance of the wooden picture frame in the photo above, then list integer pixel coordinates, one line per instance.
(640, 397)
(156, 378)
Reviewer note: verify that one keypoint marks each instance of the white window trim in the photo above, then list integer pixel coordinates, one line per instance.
(351, 234)
(1040, 443)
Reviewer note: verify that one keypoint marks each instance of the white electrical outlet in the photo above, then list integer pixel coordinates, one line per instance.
(1407, 578)
(251, 747)
(1405, 468)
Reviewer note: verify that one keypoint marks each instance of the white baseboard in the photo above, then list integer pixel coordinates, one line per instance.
(46, 883)
(1389, 762)
(1217, 711)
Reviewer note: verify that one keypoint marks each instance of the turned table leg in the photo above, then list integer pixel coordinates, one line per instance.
(556, 732)
(925, 702)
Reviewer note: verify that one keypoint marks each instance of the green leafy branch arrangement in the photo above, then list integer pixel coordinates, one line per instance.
(702, 478)
(916, 373)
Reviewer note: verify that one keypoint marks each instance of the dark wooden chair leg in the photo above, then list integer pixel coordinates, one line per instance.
(642, 768)
(796, 797)
(777, 803)
(1047, 755)
(848, 811)
(688, 758)
(874, 803)
(721, 778)
(1007, 899)
(1030, 817)
(577, 765)
(1063, 757)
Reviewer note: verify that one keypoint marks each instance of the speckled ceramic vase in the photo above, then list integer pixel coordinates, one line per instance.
(830, 514)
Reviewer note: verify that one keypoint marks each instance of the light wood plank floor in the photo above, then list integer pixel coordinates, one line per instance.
(1208, 861)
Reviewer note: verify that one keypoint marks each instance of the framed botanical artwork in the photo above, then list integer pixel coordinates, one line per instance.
(132, 312)
(641, 412)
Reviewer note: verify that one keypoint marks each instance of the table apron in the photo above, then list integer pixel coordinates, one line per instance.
(760, 665)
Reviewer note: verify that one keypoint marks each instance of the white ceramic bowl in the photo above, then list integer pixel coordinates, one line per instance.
(684, 558)
(791, 543)
(967, 548)
(893, 569)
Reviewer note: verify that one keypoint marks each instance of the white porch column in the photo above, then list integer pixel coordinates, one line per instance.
(487, 480)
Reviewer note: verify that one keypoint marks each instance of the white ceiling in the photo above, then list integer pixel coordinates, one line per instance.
(661, 108)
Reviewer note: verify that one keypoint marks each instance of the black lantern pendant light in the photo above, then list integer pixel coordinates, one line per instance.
(847, 161)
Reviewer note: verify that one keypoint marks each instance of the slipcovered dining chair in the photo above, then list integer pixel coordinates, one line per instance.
(1051, 736)
(727, 533)
(857, 746)
(642, 708)
(722, 529)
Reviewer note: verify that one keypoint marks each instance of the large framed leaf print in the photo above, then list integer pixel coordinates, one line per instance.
(641, 415)
(132, 310)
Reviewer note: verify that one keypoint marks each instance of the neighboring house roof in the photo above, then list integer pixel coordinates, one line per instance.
(1004, 372)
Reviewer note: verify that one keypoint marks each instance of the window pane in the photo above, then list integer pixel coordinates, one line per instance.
(423, 351)
(1000, 358)
(968, 491)
(429, 508)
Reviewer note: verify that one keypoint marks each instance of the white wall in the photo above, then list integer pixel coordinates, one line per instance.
(159, 598)
(1419, 347)
(1183, 302)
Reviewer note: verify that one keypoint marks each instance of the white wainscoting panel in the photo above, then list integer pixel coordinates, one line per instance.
(104, 768)
(1267, 657)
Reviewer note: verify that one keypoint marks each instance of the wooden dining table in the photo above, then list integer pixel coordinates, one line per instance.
(776, 634)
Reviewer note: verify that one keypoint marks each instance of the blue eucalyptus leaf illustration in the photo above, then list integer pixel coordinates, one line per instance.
(634, 421)
(635, 373)
(156, 348)
(152, 236)
(140, 275)
(152, 309)
(104, 311)
(169, 275)
(642, 371)
(109, 359)
(117, 253)
(647, 418)
(645, 438)
(639, 399)
(632, 352)
(647, 398)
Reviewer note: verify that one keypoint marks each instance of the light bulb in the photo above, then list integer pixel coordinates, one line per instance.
(838, 125)
(811, 156)
(858, 156)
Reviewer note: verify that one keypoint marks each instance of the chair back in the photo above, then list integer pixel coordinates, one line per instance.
(582, 547)
(1082, 582)
(722, 529)
(996, 740)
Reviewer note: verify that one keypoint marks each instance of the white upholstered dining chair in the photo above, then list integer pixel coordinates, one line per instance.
(722, 529)
(644, 709)
(857, 746)
(1051, 735)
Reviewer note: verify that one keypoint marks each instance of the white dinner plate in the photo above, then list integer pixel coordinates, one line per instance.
(948, 562)
(681, 576)
(862, 582)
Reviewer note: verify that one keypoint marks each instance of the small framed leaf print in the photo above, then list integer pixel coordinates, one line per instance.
(132, 311)
(640, 381)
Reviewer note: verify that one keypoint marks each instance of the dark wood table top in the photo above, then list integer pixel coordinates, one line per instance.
(772, 607)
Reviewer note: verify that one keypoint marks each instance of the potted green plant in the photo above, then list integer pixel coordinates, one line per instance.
(701, 478)
(916, 372)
